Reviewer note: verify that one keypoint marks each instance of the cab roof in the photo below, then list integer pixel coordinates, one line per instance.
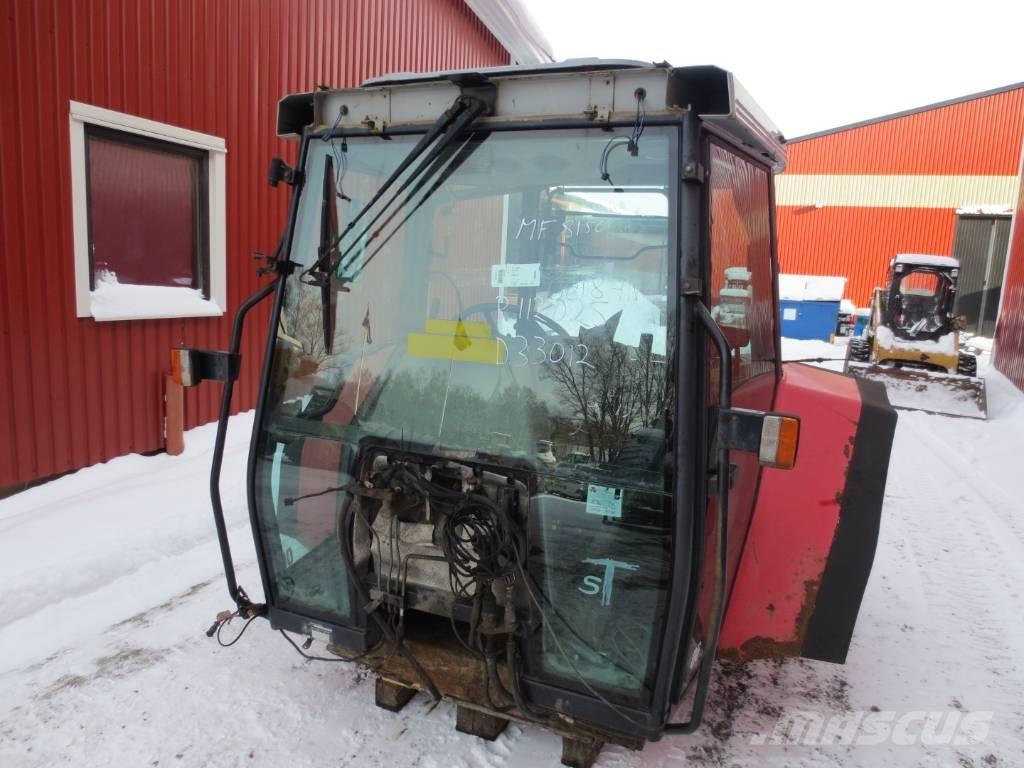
(595, 90)
(925, 260)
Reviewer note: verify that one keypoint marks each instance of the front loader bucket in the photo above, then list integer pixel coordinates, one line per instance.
(914, 389)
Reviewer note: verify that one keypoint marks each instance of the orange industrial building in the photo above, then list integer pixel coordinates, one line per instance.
(940, 179)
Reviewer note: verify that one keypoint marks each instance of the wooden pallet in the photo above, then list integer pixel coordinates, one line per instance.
(460, 677)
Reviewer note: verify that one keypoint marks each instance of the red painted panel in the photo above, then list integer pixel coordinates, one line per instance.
(1009, 349)
(977, 137)
(74, 392)
(859, 242)
(795, 518)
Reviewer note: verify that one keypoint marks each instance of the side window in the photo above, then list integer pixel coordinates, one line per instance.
(741, 264)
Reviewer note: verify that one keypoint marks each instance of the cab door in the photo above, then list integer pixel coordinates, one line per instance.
(741, 297)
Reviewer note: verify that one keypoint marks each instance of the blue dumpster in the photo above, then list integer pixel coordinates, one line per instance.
(809, 305)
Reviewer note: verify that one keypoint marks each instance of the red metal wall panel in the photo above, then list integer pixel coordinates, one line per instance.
(858, 243)
(74, 392)
(980, 137)
(1009, 349)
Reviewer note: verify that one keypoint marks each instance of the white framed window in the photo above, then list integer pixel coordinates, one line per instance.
(149, 210)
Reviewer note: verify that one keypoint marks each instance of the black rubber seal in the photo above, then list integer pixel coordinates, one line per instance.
(830, 627)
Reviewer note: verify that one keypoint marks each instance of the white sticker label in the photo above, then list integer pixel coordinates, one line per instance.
(789, 313)
(604, 501)
(515, 275)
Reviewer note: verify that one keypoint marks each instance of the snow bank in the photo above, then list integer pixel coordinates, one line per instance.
(944, 345)
(125, 526)
(811, 287)
(113, 300)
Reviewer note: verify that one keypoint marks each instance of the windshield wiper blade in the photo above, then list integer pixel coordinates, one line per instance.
(328, 235)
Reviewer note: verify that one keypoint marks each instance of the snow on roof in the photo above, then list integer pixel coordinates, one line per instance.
(811, 287)
(737, 273)
(511, 22)
(985, 210)
(925, 260)
(736, 293)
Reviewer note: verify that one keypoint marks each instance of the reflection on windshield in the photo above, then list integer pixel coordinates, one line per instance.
(512, 302)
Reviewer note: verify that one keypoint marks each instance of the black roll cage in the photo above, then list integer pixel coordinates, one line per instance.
(943, 308)
(689, 273)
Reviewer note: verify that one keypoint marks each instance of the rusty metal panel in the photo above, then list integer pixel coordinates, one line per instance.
(1009, 346)
(74, 392)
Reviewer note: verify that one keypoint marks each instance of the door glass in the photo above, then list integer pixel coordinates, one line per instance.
(742, 303)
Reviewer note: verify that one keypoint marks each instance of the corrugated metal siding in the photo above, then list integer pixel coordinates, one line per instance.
(858, 243)
(1009, 350)
(75, 392)
(979, 137)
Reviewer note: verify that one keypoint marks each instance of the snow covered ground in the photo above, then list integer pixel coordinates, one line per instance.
(110, 577)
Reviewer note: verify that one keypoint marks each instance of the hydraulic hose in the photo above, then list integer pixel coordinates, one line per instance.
(347, 556)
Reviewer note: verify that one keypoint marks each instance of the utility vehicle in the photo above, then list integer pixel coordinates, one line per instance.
(912, 341)
(478, 263)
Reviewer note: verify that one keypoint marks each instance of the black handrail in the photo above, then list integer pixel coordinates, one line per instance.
(238, 595)
(721, 542)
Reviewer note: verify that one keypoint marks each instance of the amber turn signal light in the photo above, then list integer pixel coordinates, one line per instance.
(181, 367)
(780, 436)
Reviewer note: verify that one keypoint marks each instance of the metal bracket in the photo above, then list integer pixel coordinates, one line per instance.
(273, 265)
(281, 171)
(199, 365)
(693, 172)
(739, 429)
(691, 286)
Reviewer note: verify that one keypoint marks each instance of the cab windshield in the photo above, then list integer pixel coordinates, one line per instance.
(514, 312)
(522, 303)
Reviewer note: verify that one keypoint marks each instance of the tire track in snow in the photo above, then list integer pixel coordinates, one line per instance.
(968, 562)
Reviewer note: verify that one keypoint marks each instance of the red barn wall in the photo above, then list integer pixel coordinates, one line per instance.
(74, 391)
(1008, 355)
(852, 198)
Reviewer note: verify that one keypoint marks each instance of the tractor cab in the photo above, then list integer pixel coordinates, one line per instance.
(517, 401)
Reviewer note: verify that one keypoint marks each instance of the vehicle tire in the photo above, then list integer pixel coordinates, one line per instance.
(967, 365)
(860, 350)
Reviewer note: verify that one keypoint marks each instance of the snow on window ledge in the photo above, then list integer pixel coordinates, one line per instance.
(112, 300)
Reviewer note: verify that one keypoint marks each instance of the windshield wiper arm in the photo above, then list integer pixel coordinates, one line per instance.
(463, 153)
(436, 159)
(466, 108)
